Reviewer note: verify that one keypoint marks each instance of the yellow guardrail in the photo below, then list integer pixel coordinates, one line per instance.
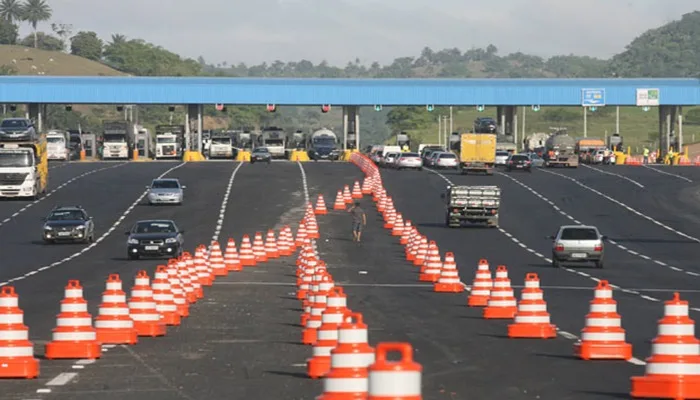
(193, 156)
(243, 156)
(298, 155)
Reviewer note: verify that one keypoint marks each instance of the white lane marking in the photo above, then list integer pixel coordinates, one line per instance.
(668, 173)
(613, 174)
(304, 182)
(224, 205)
(56, 189)
(613, 242)
(97, 241)
(623, 205)
(62, 378)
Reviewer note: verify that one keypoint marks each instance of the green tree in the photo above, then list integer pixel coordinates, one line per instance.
(8, 32)
(11, 11)
(41, 40)
(692, 117)
(561, 114)
(409, 118)
(87, 45)
(35, 11)
(8, 70)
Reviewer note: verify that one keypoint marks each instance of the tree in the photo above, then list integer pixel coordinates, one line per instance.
(87, 45)
(561, 114)
(43, 41)
(35, 11)
(692, 117)
(8, 32)
(11, 10)
(63, 31)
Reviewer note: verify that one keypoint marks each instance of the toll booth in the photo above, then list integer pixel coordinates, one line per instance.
(142, 143)
(89, 144)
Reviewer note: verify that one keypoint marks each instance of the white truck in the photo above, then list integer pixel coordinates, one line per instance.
(275, 139)
(472, 204)
(117, 140)
(24, 168)
(58, 145)
(221, 146)
(169, 141)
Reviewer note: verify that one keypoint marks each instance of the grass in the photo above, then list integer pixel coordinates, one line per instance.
(29, 61)
(637, 127)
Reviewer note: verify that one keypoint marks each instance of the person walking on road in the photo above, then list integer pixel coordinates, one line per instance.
(359, 219)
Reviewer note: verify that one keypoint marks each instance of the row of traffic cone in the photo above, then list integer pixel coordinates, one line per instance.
(672, 370)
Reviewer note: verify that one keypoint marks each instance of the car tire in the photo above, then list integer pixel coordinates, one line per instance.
(529, 170)
(132, 256)
(420, 169)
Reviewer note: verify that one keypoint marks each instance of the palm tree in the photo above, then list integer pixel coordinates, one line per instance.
(11, 10)
(35, 11)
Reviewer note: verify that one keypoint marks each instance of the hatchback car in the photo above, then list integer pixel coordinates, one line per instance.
(165, 191)
(519, 162)
(431, 159)
(577, 244)
(68, 224)
(389, 159)
(501, 157)
(445, 160)
(154, 238)
(261, 154)
(536, 160)
(409, 160)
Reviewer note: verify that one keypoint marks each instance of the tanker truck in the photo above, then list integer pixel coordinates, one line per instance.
(560, 151)
(403, 139)
(323, 145)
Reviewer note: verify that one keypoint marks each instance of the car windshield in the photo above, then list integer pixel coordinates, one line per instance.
(55, 139)
(154, 227)
(447, 155)
(14, 123)
(501, 153)
(66, 215)
(579, 234)
(391, 155)
(16, 159)
(221, 141)
(409, 155)
(261, 150)
(519, 158)
(169, 184)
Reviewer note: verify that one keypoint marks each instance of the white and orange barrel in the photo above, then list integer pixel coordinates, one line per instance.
(449, 281)
(231, 260)
(327, 334)
(320, 206)
(502, 303)
(673, 369)
(532, 319)
(246, 254)
(317, 304)
(216, 260)
(74, 337)
(395, 380)
(431, 268)
(143, 309)
(603, 337)
(164, 297)
(113, 323)
(481, 286)
(16, 351)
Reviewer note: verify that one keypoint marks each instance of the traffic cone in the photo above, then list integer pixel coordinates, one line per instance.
(185, 280)
(481, 287)
(398, 227)
(430, 271)
(327, 334)
(301, 235)
(348, 377)
(312, 229)
(283, 244)
(347, 196)
(164, 297)
(179, 297)
(317, 304)
(74, 337)
(367, 186)
(216, 260)
(502, 303)
(247, 256)
(449, 281)
(16, 351)
(203, 274)
(532, 319)
(259, 248)
(673, 370)
(603, 337)
(320, 206)
(356, 191)
(406, 233)
(421, 252)
(143, 310)
(389, 218)
(194, 276)
(290, 240)
(113, 323)
(395, 380)
(271, 249)
(231, 260)
(412, 245)
(339, 201)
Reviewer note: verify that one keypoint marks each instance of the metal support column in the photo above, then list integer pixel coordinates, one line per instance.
(501, 115)
(345, 128)
(200, 127)
(357, 128)
(188, 131)
(585, 121)
(515, 130)
(680, 129)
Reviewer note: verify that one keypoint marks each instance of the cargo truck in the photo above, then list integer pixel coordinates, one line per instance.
(615, 142)
(560, 151)
(170, 141)
(221, 145)
(472, 204)
(24, 168)
(58, 145)
(275, 139)
(117, 140)
(477, 153)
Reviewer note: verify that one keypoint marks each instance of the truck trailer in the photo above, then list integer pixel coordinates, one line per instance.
(472, 204)
(560, 151)
(58, 145)
(477, 153)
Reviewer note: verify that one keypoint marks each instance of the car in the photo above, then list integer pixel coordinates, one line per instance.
(165, 191)
(17, 129)
(261, 154)
(578, 244)
(431, 159)
(68, 224)
(501, 157)
(445, 160)
(154, 238)
(536, 160)
(519, 162)
(409, 160)
(390, 159)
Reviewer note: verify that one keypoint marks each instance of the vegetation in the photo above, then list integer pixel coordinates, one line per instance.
(672, 50)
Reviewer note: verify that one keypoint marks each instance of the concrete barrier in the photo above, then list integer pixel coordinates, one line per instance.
(243, 156)
(193, 156)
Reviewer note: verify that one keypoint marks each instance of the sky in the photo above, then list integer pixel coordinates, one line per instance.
(339, 31)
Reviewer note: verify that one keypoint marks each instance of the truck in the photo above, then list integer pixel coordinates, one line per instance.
(117, 140)
(477, 153)
(58, 145)
(170, 141)
(297, 141)
(275, 139)
(403, 139)
(243, 140)
(24, 167)
(351, 138)
(221, 145)
(455, 141)
(615, 142)
(534, 142)
(560, 151)
(323, 145)
(472, 204)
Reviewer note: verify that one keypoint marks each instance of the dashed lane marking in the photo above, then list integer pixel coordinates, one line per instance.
(668, 173)
(97, 241)
(614, 174)
(224, 204)
(613, 242)
(304, 182)
(56, 189)
(621, 204)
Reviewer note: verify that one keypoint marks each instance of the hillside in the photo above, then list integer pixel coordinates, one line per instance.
(28, 61)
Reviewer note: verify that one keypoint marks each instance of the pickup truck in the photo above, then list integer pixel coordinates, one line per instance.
(472, 204)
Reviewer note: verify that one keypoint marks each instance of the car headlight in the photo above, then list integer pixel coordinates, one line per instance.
(48, 228)
(132, 241)
(170, 240)
(80, 227)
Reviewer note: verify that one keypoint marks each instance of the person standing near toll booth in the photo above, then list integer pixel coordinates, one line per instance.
(646, 155)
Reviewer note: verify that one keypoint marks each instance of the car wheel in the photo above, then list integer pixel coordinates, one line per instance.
(529, 170)
(420, 169)
(131, 256)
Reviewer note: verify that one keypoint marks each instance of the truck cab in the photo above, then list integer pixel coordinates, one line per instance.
(117, 140)
(58, 145)
(23, 168)
(221, 146)
(169, 141)
(472, 204)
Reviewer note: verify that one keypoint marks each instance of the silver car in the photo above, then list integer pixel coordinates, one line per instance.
(501, 157)
(445, 160)
(17, 129)
(389, 159)
(165, 191)
(577, 244)
(409, 160)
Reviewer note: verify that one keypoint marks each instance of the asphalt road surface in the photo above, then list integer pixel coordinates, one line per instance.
(243, 340)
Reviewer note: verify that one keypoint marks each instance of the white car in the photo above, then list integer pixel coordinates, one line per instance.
(390, 159)
(165, 191)
(409, 160)
(501, 157)
(445, 160)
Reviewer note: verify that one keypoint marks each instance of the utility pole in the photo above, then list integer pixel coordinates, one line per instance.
(439, 130)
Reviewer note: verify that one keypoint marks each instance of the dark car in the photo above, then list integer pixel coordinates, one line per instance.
(154, 238)
(68, 224)
(485, 125)
(324, 153)
(261, 154)
(519, 162)
(17, 129)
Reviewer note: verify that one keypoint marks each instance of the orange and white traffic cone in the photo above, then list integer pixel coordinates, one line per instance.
(673, 370)
(406, 233)
(113, 323)
(164, 297)
(449, 281)
(312, 229)
(283, 243)
(321, 281)
(327, 334)
(430, 271)
(347, 196)
(339, 201)
(421, 252)
(481, 287)
(74, 337)
(356, 191)
(502, 303)
(301, 235)
(367, 186)
(532, 319)
(185, 279)
(398, 228)
(603, 337)
(389, 218)
(317, 303)
(259, 248)
(194, 276)
(231, 260)
(204, 276)
(271, 249)
(290, 240)
(179, 297)
(216, 260)
(16, 351)
(395, 380)
(247, 256)
(143, 309)
(320, 206)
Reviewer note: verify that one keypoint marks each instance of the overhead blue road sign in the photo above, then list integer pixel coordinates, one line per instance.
(592, 97)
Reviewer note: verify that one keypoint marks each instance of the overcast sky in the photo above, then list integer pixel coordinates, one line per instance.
(253, 31)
